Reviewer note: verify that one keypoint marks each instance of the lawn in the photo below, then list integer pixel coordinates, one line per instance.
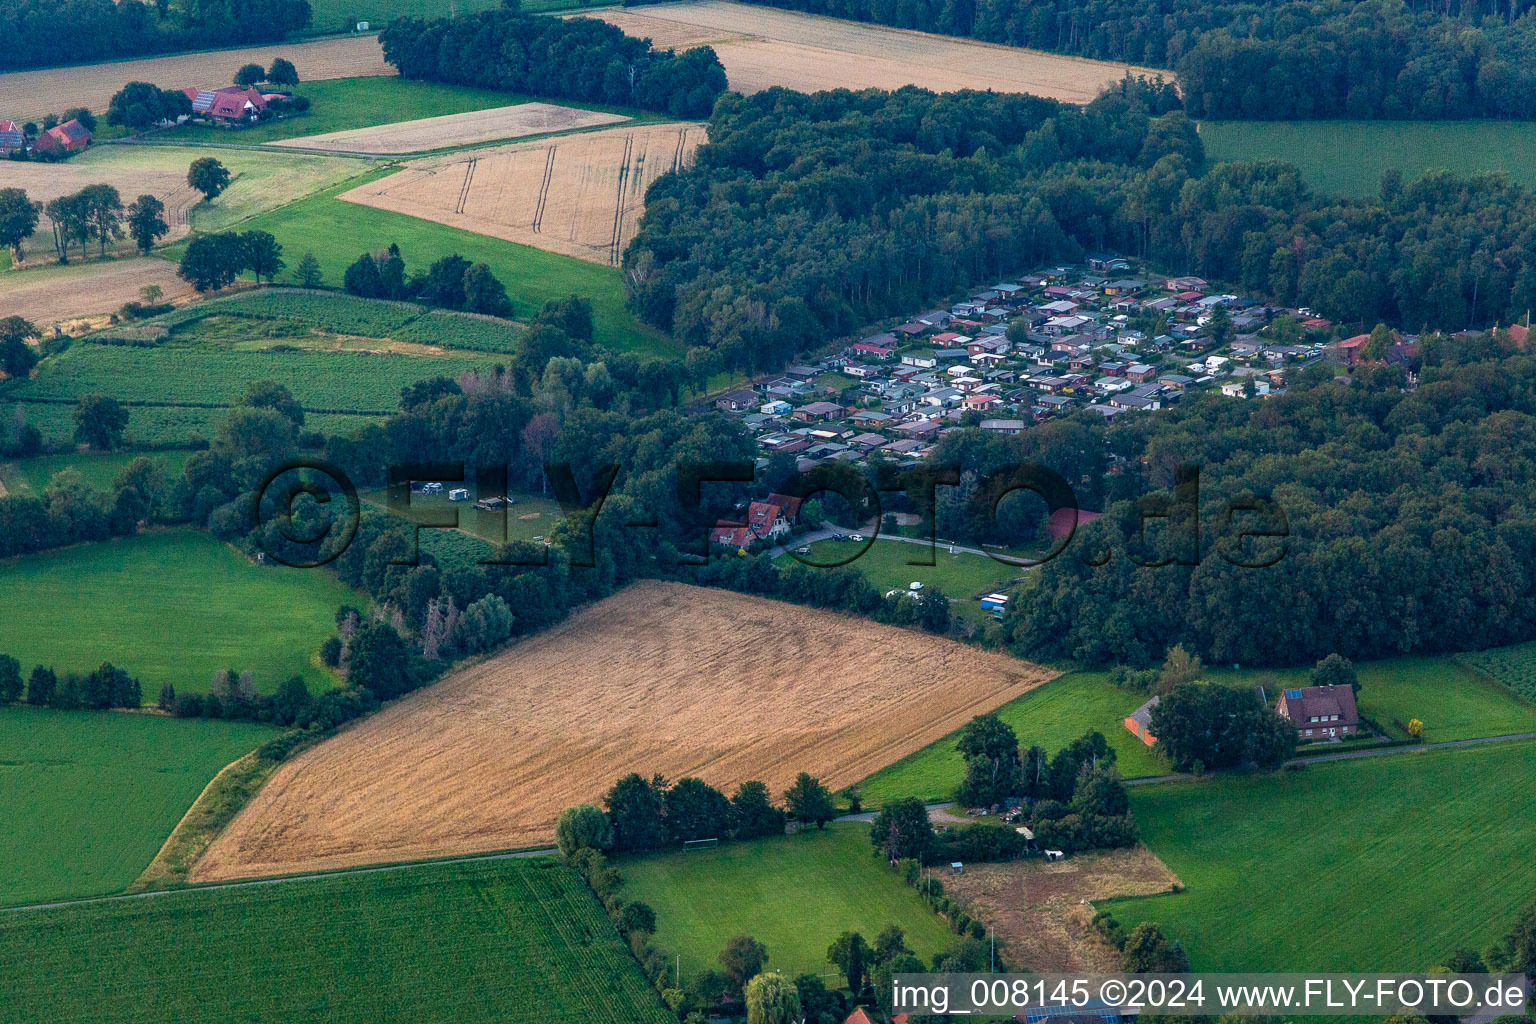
(87, 797)
(1380, 864)
(1051, 716)
(532, 517)
(340, 104)
(960, 576)
(27, 478)
(337, 233)
(795, 894)
(511, 942)
(1453, 702)
(343, 15)
(1349, 157)
(172, 606)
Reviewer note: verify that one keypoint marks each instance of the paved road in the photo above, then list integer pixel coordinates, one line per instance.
(1353, 755)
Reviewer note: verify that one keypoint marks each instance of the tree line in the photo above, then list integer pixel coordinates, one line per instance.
(878, 202)
(452, 282)
(42, 33)
(1265, 59)
(106, 687)
(578, 59)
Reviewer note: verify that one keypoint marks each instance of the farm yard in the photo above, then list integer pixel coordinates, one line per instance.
(795, 894)
(646, 680)
(463, 129)
(54, 295)
(762, 47)
(261, 181)
(171, 606)
(88, 797)
(1403, 859)
(338, 232)
(31, 95)
(1038, 909)
(1051, 716)
(510, 942)
(1349, 157)
(580, 196)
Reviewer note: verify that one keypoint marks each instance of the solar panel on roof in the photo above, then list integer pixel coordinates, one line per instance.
(1293, 695)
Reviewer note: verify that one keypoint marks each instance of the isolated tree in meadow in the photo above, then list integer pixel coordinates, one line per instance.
(583, 827)
(208, 176)
(772, 999)
(18, 219)
(10, 679)
(1336, 670)
(146, 222)
(808, 800)
(248, 75)
(307, 274)
(17, 357)
(211, 262)
(282, 72)
(103, 213)
(743, 959)
(263, 254)
(852, 957)
(100, 422)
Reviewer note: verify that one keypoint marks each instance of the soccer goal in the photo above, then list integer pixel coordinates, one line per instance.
(689, 845)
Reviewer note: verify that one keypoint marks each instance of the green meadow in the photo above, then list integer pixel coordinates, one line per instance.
(171, 606)
(343, 15)
(1349, 157)
(509, 942)
(88, 797)
(960, 576)
(1052, 716)
(1379, 864)
(27, 478)
(795, 894)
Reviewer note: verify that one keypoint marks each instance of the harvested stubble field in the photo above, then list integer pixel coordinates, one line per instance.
(763, 47)
(51, 295)
(457, 129)
(1039, 911)
(579, 196)
(662, 677)
(29, 95)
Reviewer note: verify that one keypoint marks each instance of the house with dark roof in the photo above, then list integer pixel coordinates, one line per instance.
(1140, 721)
(1320, 712)
(228, 104)
(12, 138)
(735, 401)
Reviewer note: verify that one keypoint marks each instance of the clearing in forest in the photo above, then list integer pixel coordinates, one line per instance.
(662, 677)
(576, 195)
(762, 47)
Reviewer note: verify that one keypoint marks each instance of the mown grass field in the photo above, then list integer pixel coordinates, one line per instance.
(511, 942)
(337, 233)
(960, 576)
(88, 797)
(170, 606)
(343, 15)
(28, 477)
(531, 517)
(1052, 716)
(1349, 157)
(1378, 864)
(795, 894)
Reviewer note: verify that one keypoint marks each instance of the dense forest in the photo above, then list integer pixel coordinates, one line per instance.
(1267, 60)
(1406, 516)
(41, 33)
(806, 217)
(579, 59)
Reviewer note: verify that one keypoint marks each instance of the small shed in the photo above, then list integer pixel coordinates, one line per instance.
(957, 868)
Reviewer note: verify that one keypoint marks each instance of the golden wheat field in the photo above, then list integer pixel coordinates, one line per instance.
(457, 129)
(661, 677)
(29, 95)
(578, 195)
(57, 295)
(762, 47)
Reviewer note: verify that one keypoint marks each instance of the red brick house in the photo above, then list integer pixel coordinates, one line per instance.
(1320, 712)
(1139, 720)
(769, 519)
(69, 137)
(230, 103)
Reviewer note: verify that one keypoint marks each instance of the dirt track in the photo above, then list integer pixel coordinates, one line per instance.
(457, 129)
(662, 678)
(578, 195)
(29, 95)
(763, 47)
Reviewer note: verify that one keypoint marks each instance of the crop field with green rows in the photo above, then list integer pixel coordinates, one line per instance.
(162, 426)
(1514, 667)
(511, 941)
